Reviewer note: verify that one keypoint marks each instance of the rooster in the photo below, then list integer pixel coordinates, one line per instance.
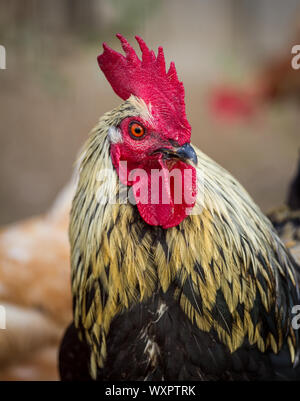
(196, 289)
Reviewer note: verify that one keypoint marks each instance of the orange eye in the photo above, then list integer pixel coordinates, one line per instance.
(136, 130)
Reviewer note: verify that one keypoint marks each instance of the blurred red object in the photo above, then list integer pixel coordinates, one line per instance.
(231, 104)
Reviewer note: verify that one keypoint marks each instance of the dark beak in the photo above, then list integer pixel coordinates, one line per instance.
(185, 153)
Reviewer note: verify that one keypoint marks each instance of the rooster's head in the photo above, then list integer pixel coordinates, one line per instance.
(150, 146)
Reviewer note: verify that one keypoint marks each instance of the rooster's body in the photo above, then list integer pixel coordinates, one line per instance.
(159, 293)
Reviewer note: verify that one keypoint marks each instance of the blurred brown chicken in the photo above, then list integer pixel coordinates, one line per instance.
(35, 291)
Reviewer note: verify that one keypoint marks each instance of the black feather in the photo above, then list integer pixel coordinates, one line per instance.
(293, 199)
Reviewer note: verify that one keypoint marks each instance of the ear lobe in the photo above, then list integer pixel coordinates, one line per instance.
(120, 166)
(114, 135)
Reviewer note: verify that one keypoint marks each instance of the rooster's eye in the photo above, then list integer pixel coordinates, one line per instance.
(136, 130)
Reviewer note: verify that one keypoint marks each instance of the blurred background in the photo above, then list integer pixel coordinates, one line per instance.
(242, 102)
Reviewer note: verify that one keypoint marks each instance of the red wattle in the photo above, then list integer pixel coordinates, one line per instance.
(164, 195)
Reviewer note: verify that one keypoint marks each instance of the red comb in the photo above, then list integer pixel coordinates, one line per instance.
(147, 79)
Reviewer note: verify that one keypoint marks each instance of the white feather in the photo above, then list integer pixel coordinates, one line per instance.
(114, 135)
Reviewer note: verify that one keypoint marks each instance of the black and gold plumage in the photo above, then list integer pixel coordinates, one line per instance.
(208, 299)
